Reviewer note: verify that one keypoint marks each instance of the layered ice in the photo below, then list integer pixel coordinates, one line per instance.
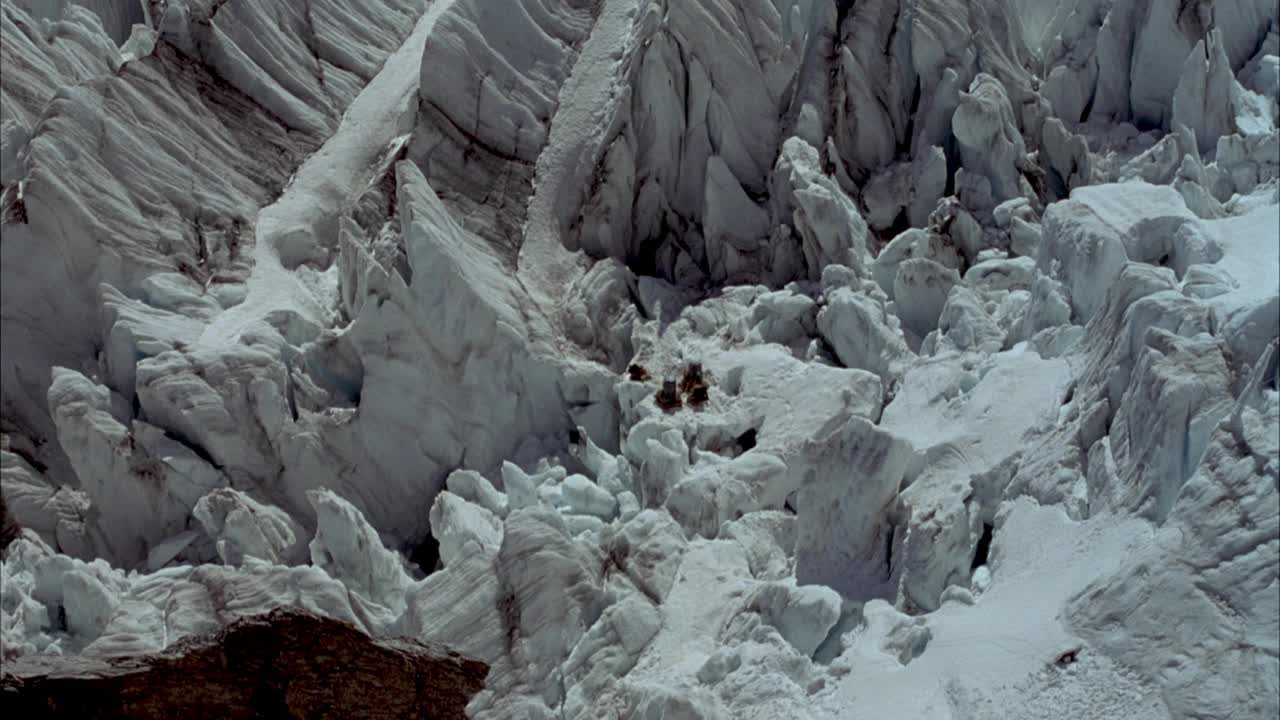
(725, 359)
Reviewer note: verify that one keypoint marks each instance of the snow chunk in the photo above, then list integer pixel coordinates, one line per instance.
(863, 333)
(831, 229)
(463, 528)
(585, 497)
(349, 550)
(1090, 236)
(802, 614)
(142, 483)
(845, 520)
(474, 487)
(990, 142)
(243, 527)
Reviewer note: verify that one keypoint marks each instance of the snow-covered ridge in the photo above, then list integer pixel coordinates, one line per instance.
(119, 186)
(973, 310)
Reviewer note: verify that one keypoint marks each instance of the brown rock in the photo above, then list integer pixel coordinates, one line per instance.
(637, 373)
(693, 378)
(289, 663)
(694, 385)
(698, 396)
(668, 398)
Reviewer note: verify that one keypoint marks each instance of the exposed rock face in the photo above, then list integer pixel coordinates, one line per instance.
(288, 663)
(9, 528)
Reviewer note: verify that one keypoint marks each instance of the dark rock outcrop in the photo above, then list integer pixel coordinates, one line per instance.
(289, 663)
(9, 528)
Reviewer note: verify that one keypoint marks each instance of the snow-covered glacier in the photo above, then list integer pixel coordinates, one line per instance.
(759, 359)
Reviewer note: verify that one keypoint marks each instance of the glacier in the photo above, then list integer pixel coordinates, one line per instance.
(725, 359)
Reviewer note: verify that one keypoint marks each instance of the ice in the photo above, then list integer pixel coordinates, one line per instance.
(349, 550)
(141, 484)
(759, 359)
(1091, 236)
(947, 411)
(1207, 97)
(990, 143)
(863, 333)
(1211, 555)
(475, 488)
(830, 227)
(243, 527)
(463, 529)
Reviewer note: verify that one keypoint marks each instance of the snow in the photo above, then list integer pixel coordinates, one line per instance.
(241, 527)
(1013, 631)
(971, 310)
(577, 131)
(306, 213)
(1250, 246)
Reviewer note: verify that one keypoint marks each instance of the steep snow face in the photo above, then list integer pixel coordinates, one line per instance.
(693, 131)
(117, 19)
(1212, 566)
(719, 359)
(490, 77)
(103, 197)
(428, 405)
(1124, 61)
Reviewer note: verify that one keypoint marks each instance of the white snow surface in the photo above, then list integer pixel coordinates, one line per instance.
(306, 214)
(375, 313)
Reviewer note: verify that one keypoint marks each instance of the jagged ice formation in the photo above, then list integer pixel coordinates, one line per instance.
(365, 308)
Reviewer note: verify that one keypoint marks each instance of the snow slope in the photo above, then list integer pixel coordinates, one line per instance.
(1010, 634)
(305, 216)
(546, 268)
